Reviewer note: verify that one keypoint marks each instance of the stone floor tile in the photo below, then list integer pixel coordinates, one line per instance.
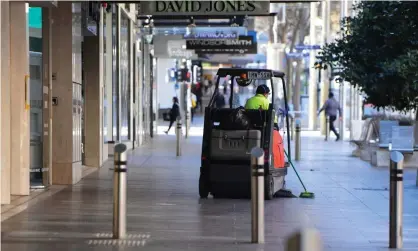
(350, 208)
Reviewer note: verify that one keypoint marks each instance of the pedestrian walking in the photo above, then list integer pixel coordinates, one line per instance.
(331, 107)
(174, 113)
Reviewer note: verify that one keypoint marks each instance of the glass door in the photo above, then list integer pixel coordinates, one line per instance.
(36, 131)
(140, 102)
(36, 98)
(134, 119)
(146, 93)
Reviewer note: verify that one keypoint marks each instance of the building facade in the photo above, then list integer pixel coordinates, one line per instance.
(76, 78)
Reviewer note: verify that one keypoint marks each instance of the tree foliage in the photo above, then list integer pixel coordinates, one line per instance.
(378, 52)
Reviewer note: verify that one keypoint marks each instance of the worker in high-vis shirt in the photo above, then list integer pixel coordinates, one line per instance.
(260, 100)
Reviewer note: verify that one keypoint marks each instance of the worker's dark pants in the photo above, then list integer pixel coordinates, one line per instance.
(331, 125)
(199, 104)
(171, 124)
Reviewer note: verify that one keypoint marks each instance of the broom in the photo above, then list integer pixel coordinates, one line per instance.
(304, 194)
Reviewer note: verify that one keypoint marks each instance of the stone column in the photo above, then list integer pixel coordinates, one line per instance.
(360, 105)
(276, 61)
(65, 169)
(350, 119)
(355, 99)
(325, 73)
(5, 103)
(297, 89)
(341, 124)
(313, 90)
(92, 114)
(19, 99)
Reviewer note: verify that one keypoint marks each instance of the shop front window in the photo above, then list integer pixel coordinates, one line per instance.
(125, 49)
(115, 75)
(105, 103)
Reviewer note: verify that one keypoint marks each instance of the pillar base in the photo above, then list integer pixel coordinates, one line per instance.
(66, 173)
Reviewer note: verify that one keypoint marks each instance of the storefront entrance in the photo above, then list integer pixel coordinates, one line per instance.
(38, 174)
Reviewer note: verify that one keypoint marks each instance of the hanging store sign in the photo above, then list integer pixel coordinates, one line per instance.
(181, 53)
(214, 32)
(307, 47)
(227, 51)
(211, 35)
(242, 41)
(297, 55)
(177, 49)
(202, 7)
(242, 45)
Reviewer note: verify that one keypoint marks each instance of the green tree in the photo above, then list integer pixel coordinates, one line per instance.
(378, 52)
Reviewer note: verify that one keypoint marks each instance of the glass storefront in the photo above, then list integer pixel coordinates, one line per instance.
(104, 74)
(36, 97)
(125, 87)
(146, 90)
(154, 95)
(125, 75)
(140, 88)
(115, 73)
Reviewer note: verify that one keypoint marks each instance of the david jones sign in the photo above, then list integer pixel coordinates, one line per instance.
(204, 7)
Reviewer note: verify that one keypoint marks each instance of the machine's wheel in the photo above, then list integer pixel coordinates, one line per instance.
(203, 188)
(269, 183)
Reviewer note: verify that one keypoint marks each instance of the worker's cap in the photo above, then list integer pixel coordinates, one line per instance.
(263, 89)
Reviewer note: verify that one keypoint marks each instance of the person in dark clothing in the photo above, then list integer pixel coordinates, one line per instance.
(331, 107)
(199, 95)
(174, 113)
(220, 100)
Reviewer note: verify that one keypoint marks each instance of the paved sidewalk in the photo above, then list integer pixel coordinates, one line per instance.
(165, 213)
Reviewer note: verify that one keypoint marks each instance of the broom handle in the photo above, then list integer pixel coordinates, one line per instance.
(295, 171)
